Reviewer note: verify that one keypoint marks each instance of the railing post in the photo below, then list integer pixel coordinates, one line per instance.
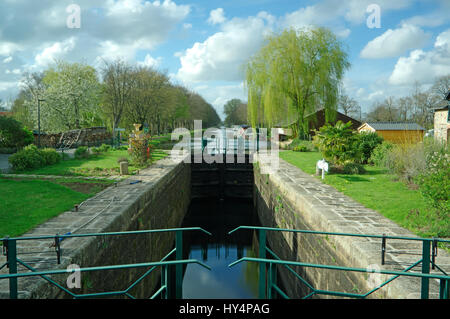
(425, 269)
(262, 266)
(271, 280)
(444, 289)
(11, 255)
(179, 267)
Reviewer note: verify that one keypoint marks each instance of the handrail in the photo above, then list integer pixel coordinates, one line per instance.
(425, 275)
(10, 248)
(113, 267)
(339, 234)
(137, 232)
(301, 264)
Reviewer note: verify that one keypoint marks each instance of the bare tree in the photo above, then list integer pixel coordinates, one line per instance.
(117, 84)
(349, 106)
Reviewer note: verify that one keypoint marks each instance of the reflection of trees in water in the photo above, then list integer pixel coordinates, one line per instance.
(250, 272)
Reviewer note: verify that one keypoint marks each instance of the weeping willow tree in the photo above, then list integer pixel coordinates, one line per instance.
(294, 74)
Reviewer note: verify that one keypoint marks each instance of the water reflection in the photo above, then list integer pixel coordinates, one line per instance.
(219, 250)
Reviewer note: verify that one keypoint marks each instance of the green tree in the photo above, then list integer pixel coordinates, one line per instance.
(116, 90)
(71, 97)
(236, 112)
(296, 71)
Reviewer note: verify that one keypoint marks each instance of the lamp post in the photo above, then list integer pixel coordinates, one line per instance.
(39, 121)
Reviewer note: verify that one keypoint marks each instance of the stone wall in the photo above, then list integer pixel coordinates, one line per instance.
(160, 201)
(292, 199)
(93, 136)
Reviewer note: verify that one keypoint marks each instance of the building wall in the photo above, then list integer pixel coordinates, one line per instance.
(402, 136)
(441, 125)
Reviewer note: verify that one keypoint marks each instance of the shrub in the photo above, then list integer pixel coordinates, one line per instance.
(104, 148)
(140, 150)
(96, 150)
(338, 144)
(380, 153)
(367, 142)
(82, 152)
(50, 156)
(300, 148)
(434, 181)
(406, 161)
(13, 134)
(28, 158)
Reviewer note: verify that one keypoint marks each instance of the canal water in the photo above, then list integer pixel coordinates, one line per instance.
(219, 250)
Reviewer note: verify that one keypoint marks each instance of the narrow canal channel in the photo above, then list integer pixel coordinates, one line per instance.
(218, 251)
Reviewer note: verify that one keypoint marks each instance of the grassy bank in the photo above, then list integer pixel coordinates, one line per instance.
(378, 190)
(104, 164)
(26, 203)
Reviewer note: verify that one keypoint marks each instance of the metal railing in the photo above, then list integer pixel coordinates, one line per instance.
(12, 261)
(268, 287)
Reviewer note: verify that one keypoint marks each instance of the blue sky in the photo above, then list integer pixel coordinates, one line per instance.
(203, 44)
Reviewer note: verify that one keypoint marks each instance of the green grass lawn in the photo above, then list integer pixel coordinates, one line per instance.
(25, 203)
(378, 190)
(104, 164)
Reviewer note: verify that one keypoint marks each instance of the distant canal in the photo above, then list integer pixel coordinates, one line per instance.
(218, 251)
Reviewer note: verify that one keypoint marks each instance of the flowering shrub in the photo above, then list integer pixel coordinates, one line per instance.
(140, 150)
(434, 181)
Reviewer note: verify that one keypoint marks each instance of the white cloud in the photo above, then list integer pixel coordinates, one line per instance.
(55, 51)
(222, 55)
(151, 62)
(187, 26)
(15, 71)
(217, 16)
(8, 48)
(424, 66)
(393, 43)
(8, 59)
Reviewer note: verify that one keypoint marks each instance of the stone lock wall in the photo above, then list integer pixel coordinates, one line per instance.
(291, 199)
(159, 201)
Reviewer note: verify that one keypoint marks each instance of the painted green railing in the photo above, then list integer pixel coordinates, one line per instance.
(12, 261)
(267, 285)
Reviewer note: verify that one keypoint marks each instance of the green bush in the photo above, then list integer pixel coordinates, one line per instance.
(338, 144)
(104, 148)
(82, 152)
(380, 153)
(50, 156)
(96, 150)
(13, 134)
(301, 148)
(434, 181)
(367, 142)
(28, 158)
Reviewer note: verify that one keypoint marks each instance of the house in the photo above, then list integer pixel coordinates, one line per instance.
(395, 132)
(5, 113)
(317, 120)
(442, 122)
